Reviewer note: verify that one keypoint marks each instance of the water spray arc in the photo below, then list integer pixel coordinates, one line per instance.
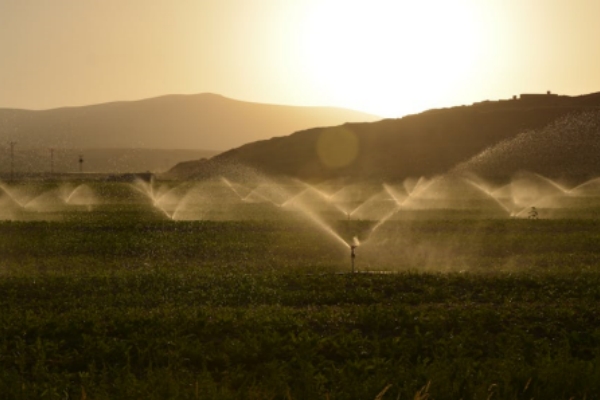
(418, 188)
(491, 195)
(231, 186)
(157, 197)
(359, 209)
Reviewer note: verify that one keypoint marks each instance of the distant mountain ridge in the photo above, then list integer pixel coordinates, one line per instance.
(194, 122)
(426, 144)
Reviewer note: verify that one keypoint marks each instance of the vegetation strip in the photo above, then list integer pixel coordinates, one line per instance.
(221, 310)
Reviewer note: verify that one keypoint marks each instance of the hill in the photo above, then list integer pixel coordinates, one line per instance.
(425, 144)
(149, 135)
(206, 122)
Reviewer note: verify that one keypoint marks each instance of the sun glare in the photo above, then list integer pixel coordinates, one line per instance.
(389, 56)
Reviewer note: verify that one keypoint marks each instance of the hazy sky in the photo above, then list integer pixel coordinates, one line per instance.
(388, 57)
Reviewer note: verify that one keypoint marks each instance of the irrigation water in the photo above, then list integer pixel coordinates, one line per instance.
(25, 201)
(361, 217)
(223, 198)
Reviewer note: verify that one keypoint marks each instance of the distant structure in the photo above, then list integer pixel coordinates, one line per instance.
(538, 96)
(547, 98)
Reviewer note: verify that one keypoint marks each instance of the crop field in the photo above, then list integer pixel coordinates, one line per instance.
(113, 290)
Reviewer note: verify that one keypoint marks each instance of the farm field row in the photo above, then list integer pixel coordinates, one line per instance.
(129, 308)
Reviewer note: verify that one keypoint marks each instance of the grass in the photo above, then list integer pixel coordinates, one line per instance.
(309, 336)
(122, 304)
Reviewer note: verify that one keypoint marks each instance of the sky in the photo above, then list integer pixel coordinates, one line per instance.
(386, 57)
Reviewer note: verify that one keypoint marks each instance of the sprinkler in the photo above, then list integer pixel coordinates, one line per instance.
(352, 255)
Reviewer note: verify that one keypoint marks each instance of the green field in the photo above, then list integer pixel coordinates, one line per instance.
(107, 297)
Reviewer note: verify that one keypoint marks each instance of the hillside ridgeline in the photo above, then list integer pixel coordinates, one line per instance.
(193, 122)
(427, 144)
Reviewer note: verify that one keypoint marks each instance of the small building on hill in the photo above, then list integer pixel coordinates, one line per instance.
(542, 99)
(537, 96)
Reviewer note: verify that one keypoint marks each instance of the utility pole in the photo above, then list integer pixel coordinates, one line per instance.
(80, 163)
(12, 160)
(51, 161)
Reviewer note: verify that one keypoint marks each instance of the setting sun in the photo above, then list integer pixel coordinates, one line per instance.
(389, 55)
